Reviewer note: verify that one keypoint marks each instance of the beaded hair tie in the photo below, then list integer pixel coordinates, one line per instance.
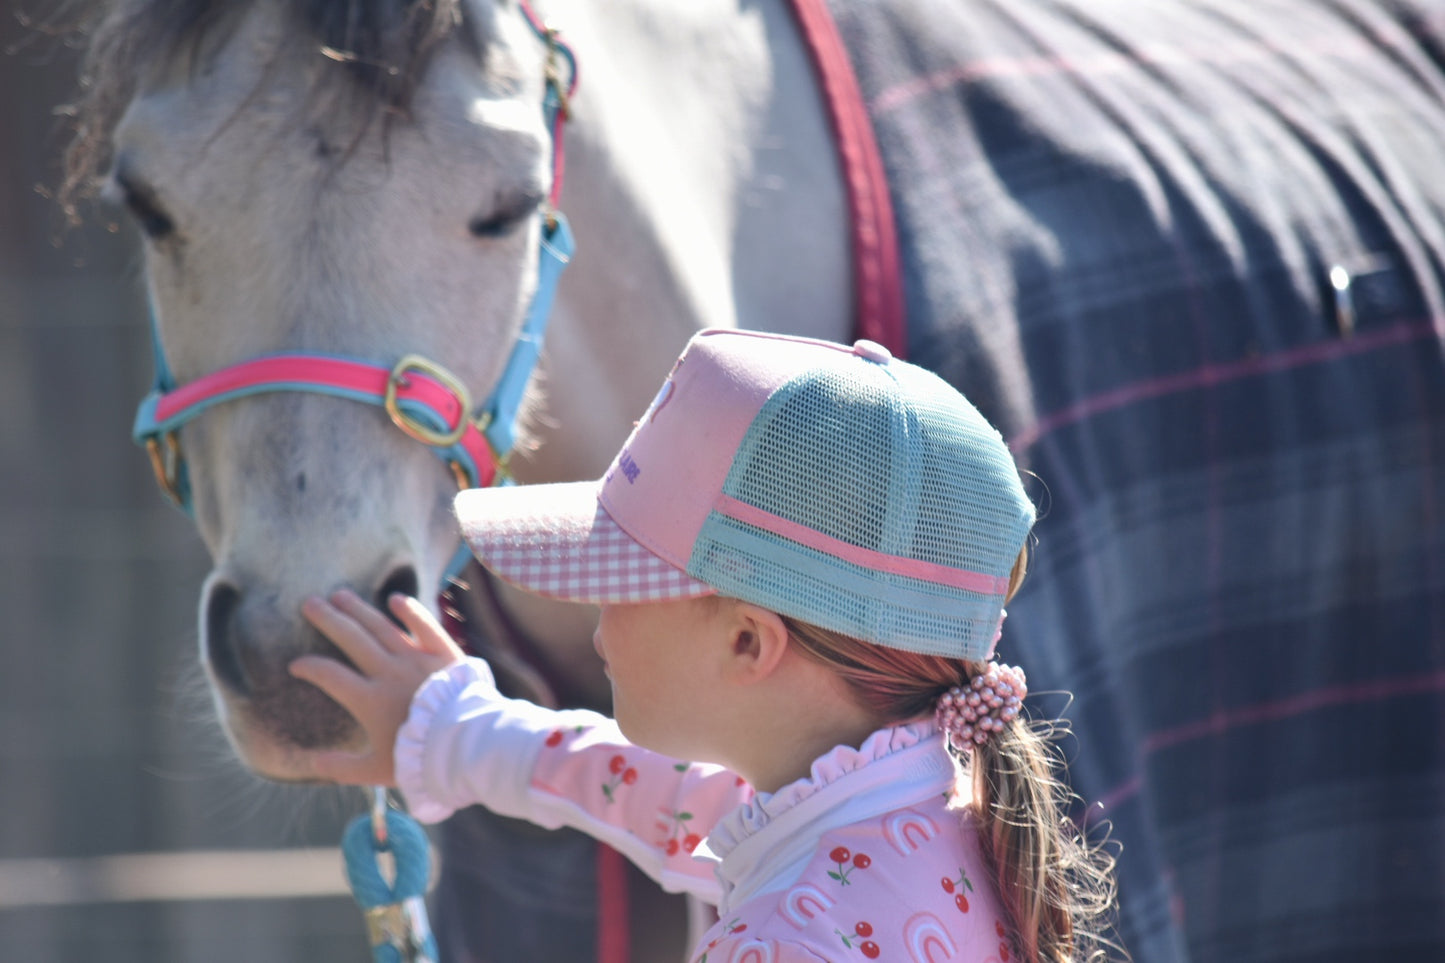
(969, 714)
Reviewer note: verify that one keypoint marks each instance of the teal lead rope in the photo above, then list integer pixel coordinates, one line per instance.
(389, 842)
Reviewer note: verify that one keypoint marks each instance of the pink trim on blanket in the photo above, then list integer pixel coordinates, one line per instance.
(1214, 374)
(1342, 48)
(1221, 721)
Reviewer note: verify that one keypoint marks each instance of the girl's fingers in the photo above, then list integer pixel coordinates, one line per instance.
(359, 628)
(375, 622)
(340, 682)
(350, 636)
(427, 633)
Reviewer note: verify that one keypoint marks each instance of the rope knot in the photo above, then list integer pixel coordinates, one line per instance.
(395, 911)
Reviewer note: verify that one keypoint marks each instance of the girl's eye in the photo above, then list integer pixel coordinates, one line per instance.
(505, 217)
(141, 202)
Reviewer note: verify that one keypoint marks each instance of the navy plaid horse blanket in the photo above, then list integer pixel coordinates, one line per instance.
(1190, 258)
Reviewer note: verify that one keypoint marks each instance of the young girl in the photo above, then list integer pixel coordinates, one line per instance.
(801, 555)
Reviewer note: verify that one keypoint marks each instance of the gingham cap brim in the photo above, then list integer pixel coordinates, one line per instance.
(558, 541)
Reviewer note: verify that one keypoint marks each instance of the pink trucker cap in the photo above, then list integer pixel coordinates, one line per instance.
(832, 484)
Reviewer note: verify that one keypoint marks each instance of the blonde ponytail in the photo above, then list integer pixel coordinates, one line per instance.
(1057, 887)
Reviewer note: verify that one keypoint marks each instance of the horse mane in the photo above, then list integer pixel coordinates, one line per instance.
(383, 47)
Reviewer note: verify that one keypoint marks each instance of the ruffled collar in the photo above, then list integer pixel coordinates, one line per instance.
(764, 844)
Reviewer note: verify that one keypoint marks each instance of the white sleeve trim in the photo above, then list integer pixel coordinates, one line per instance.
(464, 743)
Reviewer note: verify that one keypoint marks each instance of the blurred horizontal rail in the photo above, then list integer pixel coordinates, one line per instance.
(167, 877)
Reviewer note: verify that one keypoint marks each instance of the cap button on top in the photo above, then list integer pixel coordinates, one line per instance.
(872, 351)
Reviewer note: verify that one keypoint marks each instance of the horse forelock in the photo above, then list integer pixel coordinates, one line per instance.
(382, 45)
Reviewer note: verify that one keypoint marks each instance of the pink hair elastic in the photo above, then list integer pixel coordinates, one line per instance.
(968, 714)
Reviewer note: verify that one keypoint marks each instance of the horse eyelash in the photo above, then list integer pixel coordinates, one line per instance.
(492, 227)
(502, 221)
(140, 201)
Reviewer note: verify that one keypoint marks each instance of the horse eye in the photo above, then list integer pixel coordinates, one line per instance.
(141, 202)
(502, 221)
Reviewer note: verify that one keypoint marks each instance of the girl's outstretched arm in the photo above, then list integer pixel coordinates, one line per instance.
(438, 729)
(389, 666)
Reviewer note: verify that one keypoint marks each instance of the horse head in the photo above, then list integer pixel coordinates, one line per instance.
(300, 191)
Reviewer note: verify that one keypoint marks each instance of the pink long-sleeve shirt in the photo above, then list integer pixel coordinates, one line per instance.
(863, 859)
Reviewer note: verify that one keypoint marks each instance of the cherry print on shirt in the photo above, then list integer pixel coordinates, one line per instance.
(847, 863)
(554, 739)
(959, 888)
(622, 775)
(859, 940)
(676, 834)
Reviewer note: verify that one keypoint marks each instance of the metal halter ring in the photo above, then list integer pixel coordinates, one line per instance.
(552, 72)
(167, 465)
(410, 425)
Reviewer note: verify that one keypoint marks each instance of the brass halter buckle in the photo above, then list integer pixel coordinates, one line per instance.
(411, 426)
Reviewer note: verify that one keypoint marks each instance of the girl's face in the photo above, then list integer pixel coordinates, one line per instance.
(659, 658)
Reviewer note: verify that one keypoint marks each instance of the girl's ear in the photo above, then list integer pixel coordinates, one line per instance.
(758, 640)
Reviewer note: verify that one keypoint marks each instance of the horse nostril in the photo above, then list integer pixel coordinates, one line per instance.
(403, 580)
(221, 652)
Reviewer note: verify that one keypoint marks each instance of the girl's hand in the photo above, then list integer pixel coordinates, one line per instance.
(390, 666)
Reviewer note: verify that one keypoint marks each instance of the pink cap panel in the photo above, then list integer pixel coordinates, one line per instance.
(670, 473)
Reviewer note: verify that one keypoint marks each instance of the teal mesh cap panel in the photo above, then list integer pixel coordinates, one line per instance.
(878, 488)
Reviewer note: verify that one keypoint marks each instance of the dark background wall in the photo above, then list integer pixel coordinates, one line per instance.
(107, 744)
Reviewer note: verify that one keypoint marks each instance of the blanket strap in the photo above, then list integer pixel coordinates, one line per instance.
(877, 276)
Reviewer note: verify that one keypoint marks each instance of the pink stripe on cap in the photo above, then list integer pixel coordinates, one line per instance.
(865, 557)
